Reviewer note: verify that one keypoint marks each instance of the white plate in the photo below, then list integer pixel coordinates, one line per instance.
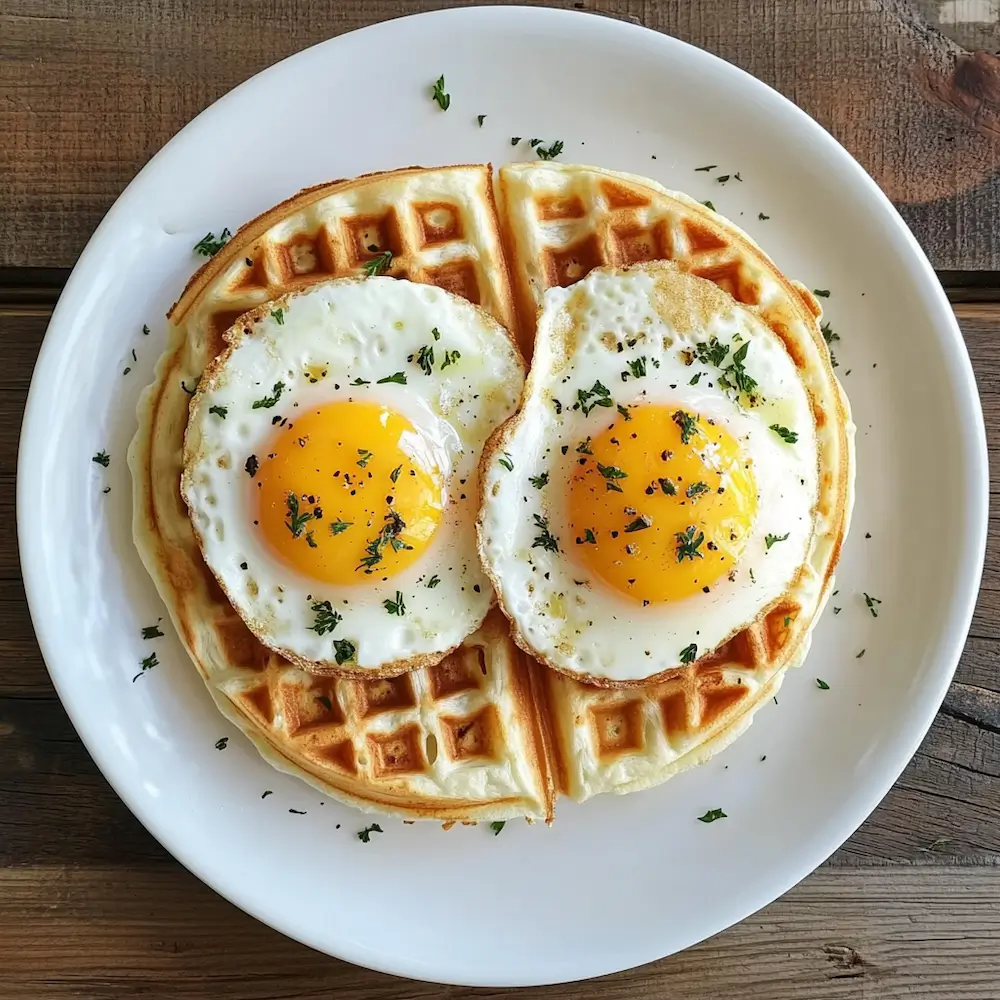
(618, 881)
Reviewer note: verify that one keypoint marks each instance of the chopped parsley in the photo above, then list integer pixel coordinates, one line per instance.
(278, 315)
(667, 487)
(327, 619)
(433, 582)
(544, 539)
(506, 461)
(389, 535)
(611, 473)
(365, 835)
(222, 743)
(770, 540)
(480, 119)
(210, 244)
(637, 368)
(687, 423)
(438, 94)
(822, 685)
(396, 607)
(296, 520)
(583, 448)
(623, 410)
(870, 603)
(695, 379)
(339, 527)
(822, 293)
(696, 490)
(688, 543)
(642, 522)
(102, 458)
(394, 475)
(497, 825)
(361, 381)
(435, 333)
(379, 264)
(589, 538)
(514, 140)
(763, 217)
(708, 204)
(712, 815)
(219, 411)
(268, 401)
(146, 663)
(597, 395)
(364, 457)
(251, 466)
(425, 358)
(450, 357)
(858, 657)
(735, 375)
(705, 170)
(396, 378)
(152, 632)
(534, 142)
(343, 650)
(711, 352)
(552, 152)
(539, 481)
(689, 653)
(785, 434)
(145, 330)
(722, 178)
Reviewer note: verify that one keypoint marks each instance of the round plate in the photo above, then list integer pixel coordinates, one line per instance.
(617, 881)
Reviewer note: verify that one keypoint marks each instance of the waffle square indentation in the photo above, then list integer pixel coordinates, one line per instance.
(398, 752)
(473, 736)
(618, 728)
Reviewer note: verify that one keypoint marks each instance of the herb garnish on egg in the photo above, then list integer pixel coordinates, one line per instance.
(396, 607)
(610, 474)
(636, 367)
(396, 378)
(343, 650)
(597, 395)
(688, 543)
(251, 466)
(219, 411)
(433, 582)
(589, 538)
(687, 423)
(770, 540)
(450, 357)
(425, 358)
(539, 481)
(296, 520)
(266, 402)
(278, 315)
(327, 619)
(507, 462)
(545, 539)
(785, 434)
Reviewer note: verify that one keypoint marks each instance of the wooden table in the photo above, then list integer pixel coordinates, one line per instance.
(91, 906)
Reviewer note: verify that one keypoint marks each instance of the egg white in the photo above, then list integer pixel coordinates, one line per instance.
(561, 611)
(353, 329)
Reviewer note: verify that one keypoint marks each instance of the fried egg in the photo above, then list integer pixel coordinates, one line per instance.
(656, 491)
(331, 470)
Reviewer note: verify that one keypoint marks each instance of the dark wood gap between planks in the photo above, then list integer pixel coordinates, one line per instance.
(41, 286)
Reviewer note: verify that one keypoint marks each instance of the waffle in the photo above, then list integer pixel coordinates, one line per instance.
(457, 741)
(488, 733)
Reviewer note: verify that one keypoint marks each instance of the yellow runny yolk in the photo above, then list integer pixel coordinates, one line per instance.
(348, 490)
(662, 504)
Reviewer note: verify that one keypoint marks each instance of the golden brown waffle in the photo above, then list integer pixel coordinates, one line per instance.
(559, 223)
(454, 742)
(486, 734)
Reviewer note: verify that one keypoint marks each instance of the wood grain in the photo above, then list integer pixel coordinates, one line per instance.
(90, 90)
(91, 906)
(888, 933)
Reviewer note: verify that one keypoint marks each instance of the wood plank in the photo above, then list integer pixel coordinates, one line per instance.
(91, 90)
(110, 932)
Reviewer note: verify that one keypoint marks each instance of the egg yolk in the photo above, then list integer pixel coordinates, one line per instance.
(661, 504)
(348, 490)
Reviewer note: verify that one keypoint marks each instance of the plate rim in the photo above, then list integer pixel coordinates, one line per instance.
(963, 597)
